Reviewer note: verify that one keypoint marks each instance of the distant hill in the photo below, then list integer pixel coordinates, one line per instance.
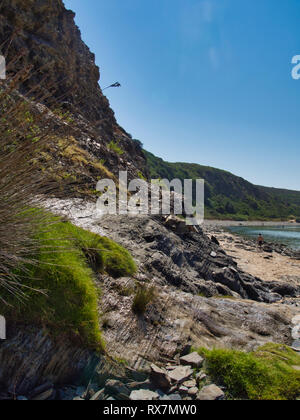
(228, 196)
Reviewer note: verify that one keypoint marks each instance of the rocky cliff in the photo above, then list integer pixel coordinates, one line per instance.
(42, 35)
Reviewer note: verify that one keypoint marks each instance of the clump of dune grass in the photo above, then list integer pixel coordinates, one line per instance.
(61, 292)
(268, 373)
(144, 295)
(26, 129)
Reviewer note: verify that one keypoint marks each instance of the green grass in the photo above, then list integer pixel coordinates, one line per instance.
(65, 270)
(143, 296)
(115, 148)
(266, 374)
(103, 253)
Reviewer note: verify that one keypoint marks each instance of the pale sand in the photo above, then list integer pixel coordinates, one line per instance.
(253, 261)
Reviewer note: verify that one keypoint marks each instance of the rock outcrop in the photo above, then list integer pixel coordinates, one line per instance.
(202, 298)
(30, 358)
(42, 35)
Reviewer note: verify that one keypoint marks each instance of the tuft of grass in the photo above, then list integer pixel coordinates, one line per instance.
(103, 253)
(143, 296)
(59, 287)
(266, 374)
(115, 148)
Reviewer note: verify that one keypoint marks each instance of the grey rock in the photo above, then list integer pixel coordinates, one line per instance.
(175, 397)
(98, 396)
(44, 395)
(192, 359)
(193, 392)
(165, 398)
(190, 384)
(210, 393)
(143, 395)
(200, 376)
(132, 386)
(181, 374)
(160, 378)
(115, 387)
(171, 367)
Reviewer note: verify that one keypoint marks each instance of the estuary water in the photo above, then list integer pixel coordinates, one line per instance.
(287, 235)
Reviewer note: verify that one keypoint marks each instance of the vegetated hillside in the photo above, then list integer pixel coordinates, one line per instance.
(228, 196)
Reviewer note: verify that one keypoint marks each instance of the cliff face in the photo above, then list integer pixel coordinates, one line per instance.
(47, 35)
(43, 35)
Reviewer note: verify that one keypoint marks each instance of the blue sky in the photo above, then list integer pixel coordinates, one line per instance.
(204, 81)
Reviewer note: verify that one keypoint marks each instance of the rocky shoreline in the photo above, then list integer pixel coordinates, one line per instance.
(205, 296)
(177, 381)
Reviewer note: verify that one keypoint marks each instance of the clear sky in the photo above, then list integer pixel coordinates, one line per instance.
(204, 81)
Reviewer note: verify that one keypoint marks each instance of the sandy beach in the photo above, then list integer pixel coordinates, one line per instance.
(267, 266)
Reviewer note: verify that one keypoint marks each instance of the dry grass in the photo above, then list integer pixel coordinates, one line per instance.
(25, 132)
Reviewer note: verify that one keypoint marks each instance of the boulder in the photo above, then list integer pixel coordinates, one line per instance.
(98, 396)
(210, 393)
(190, 384)
(192, 392)
(200, 376)
(192, 359)
(160, 378)
(114, 387)
(181, 374)
(143, 395)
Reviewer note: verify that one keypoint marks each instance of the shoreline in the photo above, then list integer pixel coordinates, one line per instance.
(268, 266)
(228, 223)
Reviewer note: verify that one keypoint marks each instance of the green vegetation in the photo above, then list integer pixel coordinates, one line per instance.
(141, 176)
(228, 196)
(59, 286)
(266, 374)
(114, 146)
(143, 296)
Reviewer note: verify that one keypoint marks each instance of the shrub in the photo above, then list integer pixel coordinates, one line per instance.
(266, 374)
(143, 296)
